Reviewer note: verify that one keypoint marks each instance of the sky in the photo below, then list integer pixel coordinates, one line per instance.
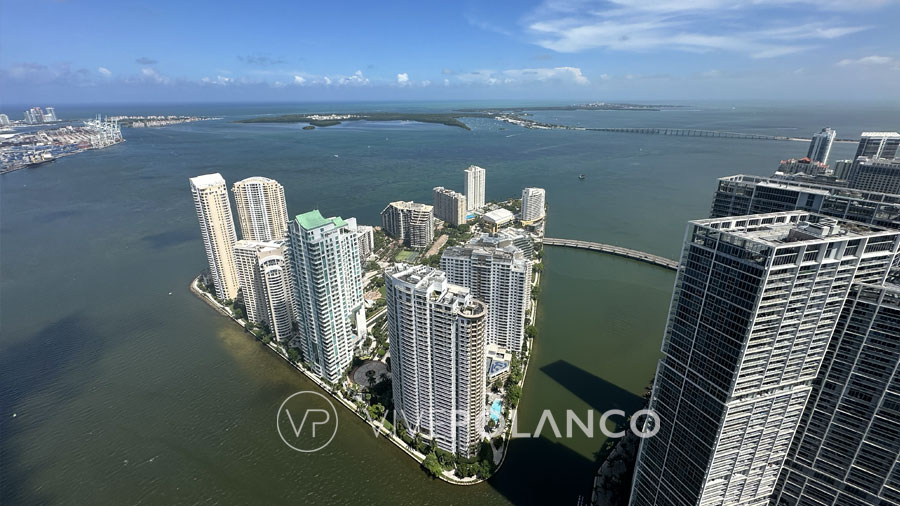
(79, 51)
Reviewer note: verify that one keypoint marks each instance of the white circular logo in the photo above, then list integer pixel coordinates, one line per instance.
(309, 419)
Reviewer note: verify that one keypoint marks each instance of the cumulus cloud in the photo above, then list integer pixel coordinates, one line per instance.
(104, 71)
(299, 80)
(356, 79)
(692, 26)
(867, 60)
(403, 79)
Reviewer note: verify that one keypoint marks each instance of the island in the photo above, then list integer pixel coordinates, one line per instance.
(331, 119)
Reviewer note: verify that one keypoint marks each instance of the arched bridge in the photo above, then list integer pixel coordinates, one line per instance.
(613, 250)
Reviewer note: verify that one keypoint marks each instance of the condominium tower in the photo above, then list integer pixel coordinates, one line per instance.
(261, 209)
(820, 145)
(411, 222)
(875, 174)
(437, 348)
(264, 272)
(328, 291)
(217, 227)
(474, 187)
(449, 206)
(878, 145)
(743, 194)
(532, 204)
(847, 450)
(500, 276)
(756, 301)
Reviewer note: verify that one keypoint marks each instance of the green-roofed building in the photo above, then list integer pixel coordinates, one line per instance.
(328, 291)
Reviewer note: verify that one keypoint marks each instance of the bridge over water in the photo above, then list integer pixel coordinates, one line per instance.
(691, 132)
(613, 250)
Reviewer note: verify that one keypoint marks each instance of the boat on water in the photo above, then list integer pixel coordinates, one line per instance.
(581, 176)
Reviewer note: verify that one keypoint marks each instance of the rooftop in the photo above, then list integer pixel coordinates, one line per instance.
(256, 179)
(499, 215)
(776, 229)
(881, 134)
(207, 180)
(313, 219)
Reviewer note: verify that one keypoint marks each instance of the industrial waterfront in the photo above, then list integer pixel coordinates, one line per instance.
(110, 377)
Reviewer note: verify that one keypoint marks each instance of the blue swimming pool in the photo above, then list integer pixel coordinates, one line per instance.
(496, 410)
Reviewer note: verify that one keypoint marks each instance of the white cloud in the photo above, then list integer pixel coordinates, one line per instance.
(326, 80)
(403, 79)
(219, 80)
(104, 71)
(152, 75)
(299, 80)
(683, 25)
(867, 60)
(356, 79)
(558, 75)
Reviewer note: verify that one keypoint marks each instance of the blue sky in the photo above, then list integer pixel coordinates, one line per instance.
(108, 51)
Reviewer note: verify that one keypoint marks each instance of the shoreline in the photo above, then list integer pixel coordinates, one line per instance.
(379, 428)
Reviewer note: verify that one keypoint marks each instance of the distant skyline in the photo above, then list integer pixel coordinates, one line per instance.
(82, 52)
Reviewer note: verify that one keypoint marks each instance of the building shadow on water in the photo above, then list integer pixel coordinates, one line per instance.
(169, 238)
(541, 471)
(39, 366)
(599, 394)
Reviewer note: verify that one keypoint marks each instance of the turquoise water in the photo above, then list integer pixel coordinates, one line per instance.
(496, 409)
(126, 395)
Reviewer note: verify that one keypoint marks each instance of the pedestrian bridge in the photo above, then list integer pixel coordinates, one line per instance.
(613, 250)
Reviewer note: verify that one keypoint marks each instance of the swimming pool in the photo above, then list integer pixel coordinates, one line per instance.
(495, 410)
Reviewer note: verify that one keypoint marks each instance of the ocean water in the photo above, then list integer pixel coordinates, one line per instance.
(116, 392)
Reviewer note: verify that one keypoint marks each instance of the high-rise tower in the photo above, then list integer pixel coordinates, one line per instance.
(328, 291)
(261, 209)
(820, 145)
(437, 357)
(474, 187)
(500, 276)
(848, 445)
(264, 273)
(217, 226)
(756, 301)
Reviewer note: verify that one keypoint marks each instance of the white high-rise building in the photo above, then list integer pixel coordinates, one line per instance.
(755, 304)
(264, 272)
(217, 226)
(4, 120)
(500, 276)
(820, 146)
(50, 115)
(449, 206)
(532, 204)
(437, 348)
(261, 209)
(474, 187)
(328, 291)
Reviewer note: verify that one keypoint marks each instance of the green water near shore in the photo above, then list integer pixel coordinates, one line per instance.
(124, 394)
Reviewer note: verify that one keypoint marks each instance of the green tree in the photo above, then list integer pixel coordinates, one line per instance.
(432, 466)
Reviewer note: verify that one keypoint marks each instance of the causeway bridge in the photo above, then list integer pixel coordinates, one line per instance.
(614, 250)
(690, 132)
